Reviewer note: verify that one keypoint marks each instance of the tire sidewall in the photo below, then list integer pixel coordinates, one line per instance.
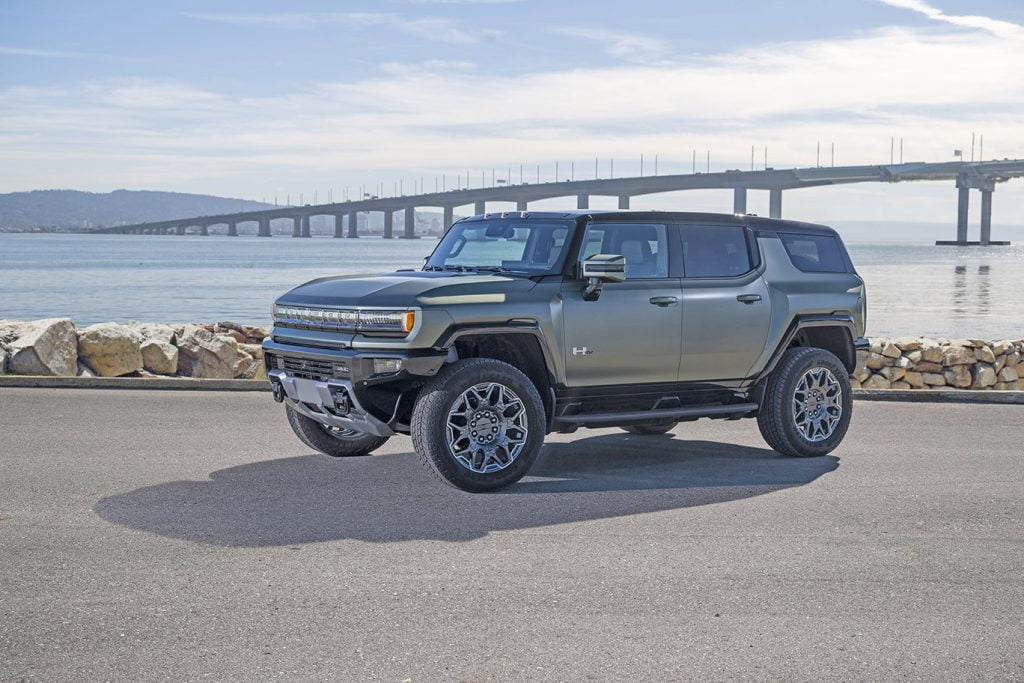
(787, 388)
(430, 422)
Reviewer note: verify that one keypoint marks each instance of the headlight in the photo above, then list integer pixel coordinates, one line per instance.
(344, 320)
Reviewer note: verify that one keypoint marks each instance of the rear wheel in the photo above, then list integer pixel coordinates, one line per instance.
(807, 404)
(479, 425)
(651, 429)
(332, 441)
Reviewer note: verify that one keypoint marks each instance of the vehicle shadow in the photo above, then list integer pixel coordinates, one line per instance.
(290, 501)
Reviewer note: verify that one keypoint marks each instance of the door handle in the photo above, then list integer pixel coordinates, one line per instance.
(749, 298)
(664, 300)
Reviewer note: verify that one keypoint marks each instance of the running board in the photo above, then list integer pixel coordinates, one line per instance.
(612, 419)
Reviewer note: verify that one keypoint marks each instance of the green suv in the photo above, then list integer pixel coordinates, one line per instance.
(524, 323)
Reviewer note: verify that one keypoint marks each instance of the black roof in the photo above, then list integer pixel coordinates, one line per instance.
(758, 223)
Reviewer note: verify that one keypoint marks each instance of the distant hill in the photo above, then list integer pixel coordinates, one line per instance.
(74, 210)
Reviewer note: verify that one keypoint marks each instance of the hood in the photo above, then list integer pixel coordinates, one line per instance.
(400, 290)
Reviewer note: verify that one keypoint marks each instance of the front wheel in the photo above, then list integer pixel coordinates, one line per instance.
(332, 441)
(807, 403)
(479, 425)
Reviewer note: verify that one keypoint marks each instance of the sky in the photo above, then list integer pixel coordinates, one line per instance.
(265, 99)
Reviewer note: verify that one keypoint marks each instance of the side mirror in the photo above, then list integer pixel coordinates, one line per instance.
(602, 268)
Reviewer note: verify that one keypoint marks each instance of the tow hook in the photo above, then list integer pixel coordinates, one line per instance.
(278, 391)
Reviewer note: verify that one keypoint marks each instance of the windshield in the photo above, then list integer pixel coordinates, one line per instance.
(533, 247)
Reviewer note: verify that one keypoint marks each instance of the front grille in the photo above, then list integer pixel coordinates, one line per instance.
(307, 368)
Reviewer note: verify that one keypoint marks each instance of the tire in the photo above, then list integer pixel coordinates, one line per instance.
(335, 443)
(823, 384)
(651, 429)
(472, 391)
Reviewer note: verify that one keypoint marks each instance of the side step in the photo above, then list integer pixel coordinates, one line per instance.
(614, 419)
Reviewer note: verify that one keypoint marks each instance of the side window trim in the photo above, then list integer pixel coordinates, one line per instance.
(749, 237)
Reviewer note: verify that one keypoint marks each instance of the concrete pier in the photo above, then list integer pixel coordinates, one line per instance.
(623, 201)
(389, 224)
(583, 201)
(739, 200)
(264, 229)
(775, 203)
(479, 207)
(353, 224)
(449, 216)
(410, 223)
(986, 217)
(232, 229)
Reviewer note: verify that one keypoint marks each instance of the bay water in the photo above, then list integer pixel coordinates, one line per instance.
(913, 288)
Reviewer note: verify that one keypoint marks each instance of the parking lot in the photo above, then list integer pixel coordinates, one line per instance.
(189, 535)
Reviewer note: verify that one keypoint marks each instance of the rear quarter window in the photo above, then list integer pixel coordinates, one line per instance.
(815, 253)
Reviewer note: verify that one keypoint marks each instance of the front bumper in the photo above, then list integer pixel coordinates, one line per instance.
(331, 386)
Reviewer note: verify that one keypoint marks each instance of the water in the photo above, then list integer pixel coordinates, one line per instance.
(912, 288)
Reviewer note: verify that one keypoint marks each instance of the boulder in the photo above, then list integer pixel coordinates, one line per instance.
(44, 347)
(1013, 359)
(933, 379)
(928, 366)
(246, 367)
(984, 354)
(204, 354)
(901, 385)
(154, 331)
(958, 355)
(931, 353)
(4, 357)
(861, 374)
(876, 382)
(984, 376)
(110, 349)
(875, 346)
(1000, 362)
(876, 360)
(890, 350)
(914, 379)
(908, 343)
(892, 373)
(1002, 346)
(958, 376)
(159, 357)
(84, 371)
(913, 356)
(903, 362)
(1008, 375)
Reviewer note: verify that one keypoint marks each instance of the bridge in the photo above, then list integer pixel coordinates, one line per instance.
(982, 176)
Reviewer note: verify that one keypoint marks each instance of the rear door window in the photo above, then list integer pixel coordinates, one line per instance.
(815, 253)
(715, 251)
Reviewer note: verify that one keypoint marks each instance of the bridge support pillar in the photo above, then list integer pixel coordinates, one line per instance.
(296, 226)
(775, 203)
(204, 230)
(353, 224)
(180, 230)
(410, 223)
(986, 217)
(521, 205)
(339, 225)
(623, 201)
(963, 206)
(739, 200)
(479, 208)
(264, 230)
(583, 201)
(389, 224)
(449, 216)
(232, 229)
(305, 226)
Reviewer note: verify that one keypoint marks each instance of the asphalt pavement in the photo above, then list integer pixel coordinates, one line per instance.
(149, 535)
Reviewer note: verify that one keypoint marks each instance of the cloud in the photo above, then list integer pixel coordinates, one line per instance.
(1004, 29)
(57, 54)
(632, 47)
(435, 117)
(437, 29)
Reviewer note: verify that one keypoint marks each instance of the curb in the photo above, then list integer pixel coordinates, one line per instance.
(179, 384)
(940, 396)
(193, 384)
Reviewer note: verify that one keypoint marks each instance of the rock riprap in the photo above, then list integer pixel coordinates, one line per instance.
(936, 363)
(227, 350)
(222, 350)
